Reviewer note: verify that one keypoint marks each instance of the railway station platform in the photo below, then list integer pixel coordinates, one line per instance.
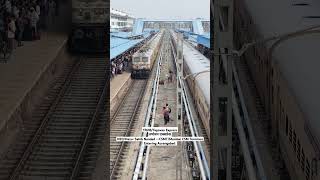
(25, 78)
(119, 85)
(164, 161)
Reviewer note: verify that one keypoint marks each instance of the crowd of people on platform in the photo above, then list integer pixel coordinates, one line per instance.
(123, 61)
(121, 64)
(23, 20)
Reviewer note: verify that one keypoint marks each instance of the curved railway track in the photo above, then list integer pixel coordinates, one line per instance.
(122, 123)
(63, 138)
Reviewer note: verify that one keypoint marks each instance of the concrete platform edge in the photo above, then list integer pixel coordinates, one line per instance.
(22, 112)
(114, 101)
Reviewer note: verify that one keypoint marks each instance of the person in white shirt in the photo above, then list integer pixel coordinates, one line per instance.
(52, 11)
(40, 18)
(34, 18)
(16, 11)
(8, 6)
(38, 9)
(11, 33)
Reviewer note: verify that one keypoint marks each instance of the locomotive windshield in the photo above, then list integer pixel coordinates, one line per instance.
(144, 59)
(136, 59)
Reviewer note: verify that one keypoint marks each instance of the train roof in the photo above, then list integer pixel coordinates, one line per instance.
(298, 58)
(197, 62)
(149, 47)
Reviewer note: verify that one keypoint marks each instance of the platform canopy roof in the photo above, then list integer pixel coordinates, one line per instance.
(120, 42)
(203, 39)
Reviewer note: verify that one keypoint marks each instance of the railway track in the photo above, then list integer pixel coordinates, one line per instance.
(122, 123)
(63, 138)
(258, 110)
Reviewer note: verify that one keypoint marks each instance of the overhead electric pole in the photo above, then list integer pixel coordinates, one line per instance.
(221, 133)
(179, 114)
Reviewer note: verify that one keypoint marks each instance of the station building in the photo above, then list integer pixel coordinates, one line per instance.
(120, 20)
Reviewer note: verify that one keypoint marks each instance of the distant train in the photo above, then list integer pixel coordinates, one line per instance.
(89, 26)
(198, 65)
(144, 58)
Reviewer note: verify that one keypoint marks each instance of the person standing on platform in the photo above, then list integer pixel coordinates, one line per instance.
(168, 78)
(52, 11)
(15, 11)
(57, 7)
(120, 67)
(39, 22)
(2, 29)
(11, 33)
(20, 24)
(8, 6)
(34, 18)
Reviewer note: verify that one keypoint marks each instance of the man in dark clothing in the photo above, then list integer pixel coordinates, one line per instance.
(165, 115)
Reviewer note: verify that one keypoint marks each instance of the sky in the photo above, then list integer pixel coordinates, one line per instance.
(164, 9)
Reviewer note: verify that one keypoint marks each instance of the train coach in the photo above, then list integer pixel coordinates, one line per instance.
(286, 77)
(144, 58)
(89, 26)
(196, 68)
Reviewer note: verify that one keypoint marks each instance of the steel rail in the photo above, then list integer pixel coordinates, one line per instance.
(204, 168)
(130, 123)
(152, 123)
(119, 106)
(252, 140)
(44, 122)
(151, 104)
(128, 129)
(247, 157)
(135, 107)
(90, 129)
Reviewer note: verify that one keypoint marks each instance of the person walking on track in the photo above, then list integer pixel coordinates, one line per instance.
(170, 76)
(165, 115)
(168, 109)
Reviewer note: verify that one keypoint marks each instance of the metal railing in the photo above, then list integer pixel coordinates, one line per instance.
(151, 109)
(203, 164)
(245, 144)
